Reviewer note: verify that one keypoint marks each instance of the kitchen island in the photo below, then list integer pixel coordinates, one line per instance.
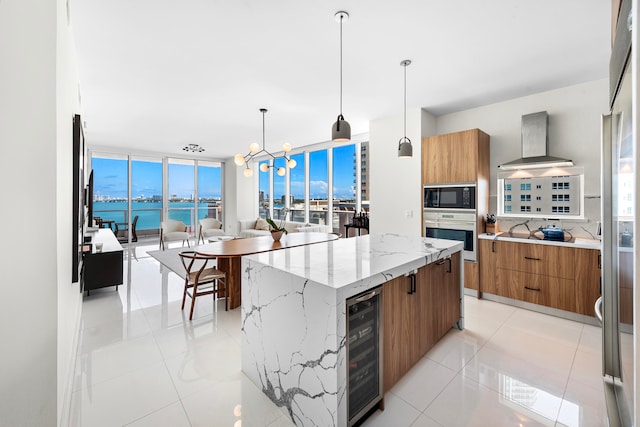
(294, 321)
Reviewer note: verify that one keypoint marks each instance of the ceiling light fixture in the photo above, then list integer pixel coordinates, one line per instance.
(194, 148)
(341, 130)
(254, 150)
(405, 149)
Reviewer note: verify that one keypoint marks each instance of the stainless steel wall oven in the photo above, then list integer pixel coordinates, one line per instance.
(453, 225)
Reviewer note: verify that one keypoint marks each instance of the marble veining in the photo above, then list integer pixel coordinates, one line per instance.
(294, 316)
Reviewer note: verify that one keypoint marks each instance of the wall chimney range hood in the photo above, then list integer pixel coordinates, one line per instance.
(535, 144)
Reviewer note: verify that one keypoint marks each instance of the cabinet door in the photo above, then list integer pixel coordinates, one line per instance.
(587, 280)
(399, 344)
(450, 158)
(537, 259)
(471, 275)
(449, 304)
(487, 258)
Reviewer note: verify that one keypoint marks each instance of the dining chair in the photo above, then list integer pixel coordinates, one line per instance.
(173, 230)
(209, 227)
(123, 226)
(202, 279)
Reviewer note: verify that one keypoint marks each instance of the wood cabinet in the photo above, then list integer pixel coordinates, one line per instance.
(471, 275)
(460, 157)
(587, 267)
(554, 276)
(488, 256)
(625, 281)
(455, 157)
(418, 310)
(547, 260)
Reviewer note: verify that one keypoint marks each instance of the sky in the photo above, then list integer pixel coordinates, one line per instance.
(110, 177)
(343, 169)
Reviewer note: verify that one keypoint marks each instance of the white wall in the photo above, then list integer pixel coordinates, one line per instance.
(37, 320)
(574, 130)
(395, 184)
(69, 296)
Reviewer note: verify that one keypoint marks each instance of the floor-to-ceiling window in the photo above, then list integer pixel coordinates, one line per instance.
(309, 190)
(181, 191)
(146, 194)
(297, 189)
(210, 190)
(110, 188)
(111, 194)
(318, 187)
(279, 188)
(344, 185)
(264, 191)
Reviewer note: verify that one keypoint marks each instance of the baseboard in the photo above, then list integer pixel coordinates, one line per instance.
(65, 413)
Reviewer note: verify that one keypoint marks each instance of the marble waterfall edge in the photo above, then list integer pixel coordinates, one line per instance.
(294, 316)
(281, 352)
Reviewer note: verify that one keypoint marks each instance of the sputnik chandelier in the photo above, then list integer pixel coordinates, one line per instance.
(255, 150)
(194, 148)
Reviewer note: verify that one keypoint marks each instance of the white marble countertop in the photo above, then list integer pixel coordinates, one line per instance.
(577, 243)
(344, 262)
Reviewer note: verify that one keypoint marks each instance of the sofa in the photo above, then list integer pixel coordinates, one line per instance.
(247, 228)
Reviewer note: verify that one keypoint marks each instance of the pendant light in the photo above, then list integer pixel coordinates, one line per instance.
(254, 150)
(341, 130)
(405, 149)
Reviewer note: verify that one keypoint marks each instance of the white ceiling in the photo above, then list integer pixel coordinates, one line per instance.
(156, 75)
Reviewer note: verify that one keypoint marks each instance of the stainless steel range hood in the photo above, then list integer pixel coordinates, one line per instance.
(535, 144)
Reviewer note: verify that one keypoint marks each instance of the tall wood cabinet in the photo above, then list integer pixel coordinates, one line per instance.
(460, 157)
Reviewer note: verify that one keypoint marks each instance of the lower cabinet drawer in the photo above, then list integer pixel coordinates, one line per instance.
(537, 289)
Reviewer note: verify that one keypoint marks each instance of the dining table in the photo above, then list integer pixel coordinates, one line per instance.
(229, 255)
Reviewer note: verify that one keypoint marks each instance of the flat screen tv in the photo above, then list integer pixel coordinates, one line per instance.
(88, 202)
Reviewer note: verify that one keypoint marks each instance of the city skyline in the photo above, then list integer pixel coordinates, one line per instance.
(110, 178)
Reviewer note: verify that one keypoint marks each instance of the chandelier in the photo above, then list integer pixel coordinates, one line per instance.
(194, 148)
(255, 150)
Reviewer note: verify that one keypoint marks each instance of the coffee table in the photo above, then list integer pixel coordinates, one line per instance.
(230, 253)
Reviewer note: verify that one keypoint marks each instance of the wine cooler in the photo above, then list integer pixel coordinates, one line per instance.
(364, 353)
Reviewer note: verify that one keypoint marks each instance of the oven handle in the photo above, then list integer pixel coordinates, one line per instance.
(461, 225)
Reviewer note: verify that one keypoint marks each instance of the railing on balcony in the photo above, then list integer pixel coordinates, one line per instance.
(149, 218)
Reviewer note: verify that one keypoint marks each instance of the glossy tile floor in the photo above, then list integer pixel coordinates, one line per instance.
(141, 362)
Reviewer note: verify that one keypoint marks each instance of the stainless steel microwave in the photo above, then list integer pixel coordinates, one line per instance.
(450, 196)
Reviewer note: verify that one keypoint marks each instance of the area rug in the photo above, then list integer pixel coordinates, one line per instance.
(170, 259)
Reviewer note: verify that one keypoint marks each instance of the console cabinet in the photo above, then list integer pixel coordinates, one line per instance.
(418, 311)
(559, 277)
(103, 268)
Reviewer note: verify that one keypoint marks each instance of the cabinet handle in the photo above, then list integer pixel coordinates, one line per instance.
(412, 284)
(493, 246)
(531, 289)
(442, 261)
(366, 297)
(532, 259)
(600, 261)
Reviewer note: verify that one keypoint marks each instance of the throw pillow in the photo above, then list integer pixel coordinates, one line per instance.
(261, 224)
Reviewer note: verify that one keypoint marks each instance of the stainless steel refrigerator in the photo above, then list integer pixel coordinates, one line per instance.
(615, 306)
